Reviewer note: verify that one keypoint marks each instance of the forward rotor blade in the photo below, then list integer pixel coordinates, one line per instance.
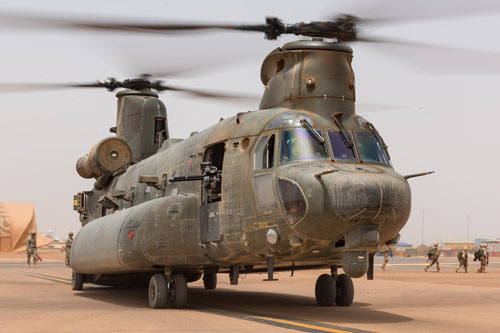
(401, 11)
(35, 21)
(438, 59)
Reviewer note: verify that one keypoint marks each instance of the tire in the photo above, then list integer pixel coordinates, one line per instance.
(325, 290)
(345, 291)
(177, 292)
(77, 280)
(157, 291)
(210, 280)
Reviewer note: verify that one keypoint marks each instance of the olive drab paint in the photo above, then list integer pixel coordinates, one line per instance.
(324, 211)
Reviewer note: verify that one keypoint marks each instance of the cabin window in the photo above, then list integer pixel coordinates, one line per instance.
(264, 153)
(342, 146)
(298, 145)
(370, 148)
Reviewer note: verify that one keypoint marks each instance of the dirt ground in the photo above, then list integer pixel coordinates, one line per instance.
(404, 298)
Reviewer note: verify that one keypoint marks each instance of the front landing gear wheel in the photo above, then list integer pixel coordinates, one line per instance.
(157, 292)
(345, 290)
(77, 280)
(210, 280)
(177, 292)
(325, 290)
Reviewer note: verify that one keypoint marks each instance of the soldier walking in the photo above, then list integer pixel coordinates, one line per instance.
(462, 257)
(67, 248)
(433, 256)
(31, 249)
(483, 257)
(385, 250)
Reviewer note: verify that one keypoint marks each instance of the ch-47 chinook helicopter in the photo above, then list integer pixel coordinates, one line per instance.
(302, 183)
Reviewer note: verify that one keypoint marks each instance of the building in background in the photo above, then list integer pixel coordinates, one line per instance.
(17, 221)
(458, 245)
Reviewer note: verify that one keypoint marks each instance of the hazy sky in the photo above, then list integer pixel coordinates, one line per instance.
(445, 123)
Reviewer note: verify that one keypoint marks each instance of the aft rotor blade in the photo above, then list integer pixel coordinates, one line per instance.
(211, 94)
(25, 87)
(401, 11)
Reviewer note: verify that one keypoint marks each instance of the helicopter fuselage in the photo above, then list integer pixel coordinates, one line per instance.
(312, 205)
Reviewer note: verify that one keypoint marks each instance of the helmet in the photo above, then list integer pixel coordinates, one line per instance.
(33, 233)
(70, 233)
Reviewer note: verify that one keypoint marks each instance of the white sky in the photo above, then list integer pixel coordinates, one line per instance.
(444, 123)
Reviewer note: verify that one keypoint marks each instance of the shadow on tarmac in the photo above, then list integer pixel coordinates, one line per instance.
(248, 302)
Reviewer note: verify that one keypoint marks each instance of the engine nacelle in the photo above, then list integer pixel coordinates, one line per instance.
(105, 157)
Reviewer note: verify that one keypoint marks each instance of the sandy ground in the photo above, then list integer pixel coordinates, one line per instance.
(404, 298)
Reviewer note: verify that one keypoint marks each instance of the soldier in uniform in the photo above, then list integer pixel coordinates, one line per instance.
(433, 256)
(67, 248)
(385, 250)
(483, 258)
(31, 249)
(462, 257)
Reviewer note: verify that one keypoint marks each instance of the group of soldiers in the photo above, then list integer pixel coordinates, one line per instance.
(32, 250)
(481, 255)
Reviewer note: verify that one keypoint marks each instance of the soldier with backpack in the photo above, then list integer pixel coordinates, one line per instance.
(462, 257)
(433, 256)
(483, 256)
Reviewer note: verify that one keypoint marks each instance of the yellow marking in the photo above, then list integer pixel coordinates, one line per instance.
(260, 225)
(294, 323)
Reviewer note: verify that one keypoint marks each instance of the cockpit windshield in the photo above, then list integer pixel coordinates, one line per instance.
(370, 148)
(342, 146)
(298, 145)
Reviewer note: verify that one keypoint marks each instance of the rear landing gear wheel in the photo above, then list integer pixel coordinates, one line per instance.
(157, 292)
(210, 280)
(325, 290)
(77, 280)
(177, 292)
(345, 291)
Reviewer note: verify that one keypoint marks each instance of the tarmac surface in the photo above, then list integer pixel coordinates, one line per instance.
(402, 299)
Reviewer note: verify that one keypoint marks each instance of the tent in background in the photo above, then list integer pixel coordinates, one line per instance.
(17, 221)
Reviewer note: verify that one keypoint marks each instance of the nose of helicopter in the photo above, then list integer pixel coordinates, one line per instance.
(335, 201)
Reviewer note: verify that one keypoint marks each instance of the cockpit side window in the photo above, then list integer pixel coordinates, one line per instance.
(370, 148)
(342, 147)
(264, 153)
